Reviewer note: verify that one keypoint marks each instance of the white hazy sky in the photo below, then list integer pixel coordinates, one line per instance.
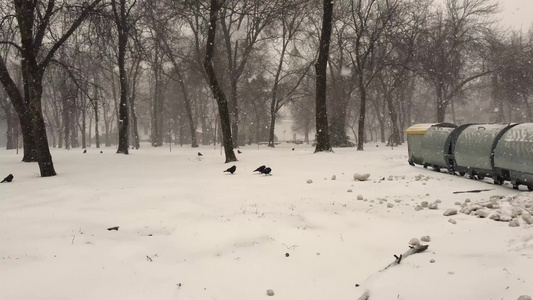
(517, 13)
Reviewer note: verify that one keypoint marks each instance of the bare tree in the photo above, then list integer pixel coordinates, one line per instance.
(445, 45)
(369, 20)
(242, 26)
(122, 12)
(288, 73)
(33, 21)
(322, 135)
(214, 85)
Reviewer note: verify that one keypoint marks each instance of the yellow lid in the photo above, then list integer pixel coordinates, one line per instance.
(419, 128)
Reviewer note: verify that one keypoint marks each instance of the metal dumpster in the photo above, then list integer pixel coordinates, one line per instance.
(415, 136)
(473, 149)
(513, 156)
(435, 147)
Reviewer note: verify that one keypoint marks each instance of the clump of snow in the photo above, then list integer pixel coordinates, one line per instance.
(425, 238)
(482, 213)
(424, 204)
(467, 209)
(414, 242)
(524, 297)
(421, 177)
(452, 221)
(390, 205)
(361, 177)
(514, 223)
(450, 212)
(334, 177)
(526, 217)
(418, 208)
(309, 181)
(349, 190)
(270, 292)
(360, 197)
(502, 209)
(433, 205)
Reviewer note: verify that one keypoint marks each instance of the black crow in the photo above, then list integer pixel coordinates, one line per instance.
(9, 178)
(260, 169)
(200, 154)
(85, 151)
(239, 151)
(101, 151)
(266, 171)
(232, 169)
(292, 149)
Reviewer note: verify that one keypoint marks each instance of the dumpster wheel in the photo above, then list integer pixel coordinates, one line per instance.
(497, 180)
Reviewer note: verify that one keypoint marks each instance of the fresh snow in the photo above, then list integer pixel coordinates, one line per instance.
(189, 231)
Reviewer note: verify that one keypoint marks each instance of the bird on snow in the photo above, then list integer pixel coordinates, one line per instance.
(85, 151)
(266, 171)
(232, 169)
(9, 178)
(200, 154)
(260, 169)
(239, 151)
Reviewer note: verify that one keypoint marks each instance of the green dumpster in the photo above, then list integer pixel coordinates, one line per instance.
(415, 138)
(513, 155)
(473, 149)
(435, 147)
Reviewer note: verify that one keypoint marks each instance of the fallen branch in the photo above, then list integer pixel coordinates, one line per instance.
(398, 259)
(472, 191)
(413, 250)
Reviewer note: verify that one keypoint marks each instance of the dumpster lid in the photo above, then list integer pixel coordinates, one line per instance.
(422, 128)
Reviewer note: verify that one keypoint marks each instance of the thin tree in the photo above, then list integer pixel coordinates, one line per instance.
(215, 86)
(322, 135)
(121, 17)
(34, 21)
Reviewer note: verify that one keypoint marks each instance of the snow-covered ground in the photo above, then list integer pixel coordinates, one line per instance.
(189, 231)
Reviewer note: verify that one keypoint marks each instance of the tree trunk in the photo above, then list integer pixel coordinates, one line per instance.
(214, 85)
(83, 128)
(441, 104)
(395, 135)
(44, 158)
(362, 115)
(11, 124)
(234, 113)
(322, 135)
(272, 127)
(123, 118)
(21, 106)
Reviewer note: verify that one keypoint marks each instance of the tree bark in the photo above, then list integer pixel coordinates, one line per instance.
(362, 114)
(21, 106)
(214, 85)
(441, 104)
(123, 118)
(322, 135)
